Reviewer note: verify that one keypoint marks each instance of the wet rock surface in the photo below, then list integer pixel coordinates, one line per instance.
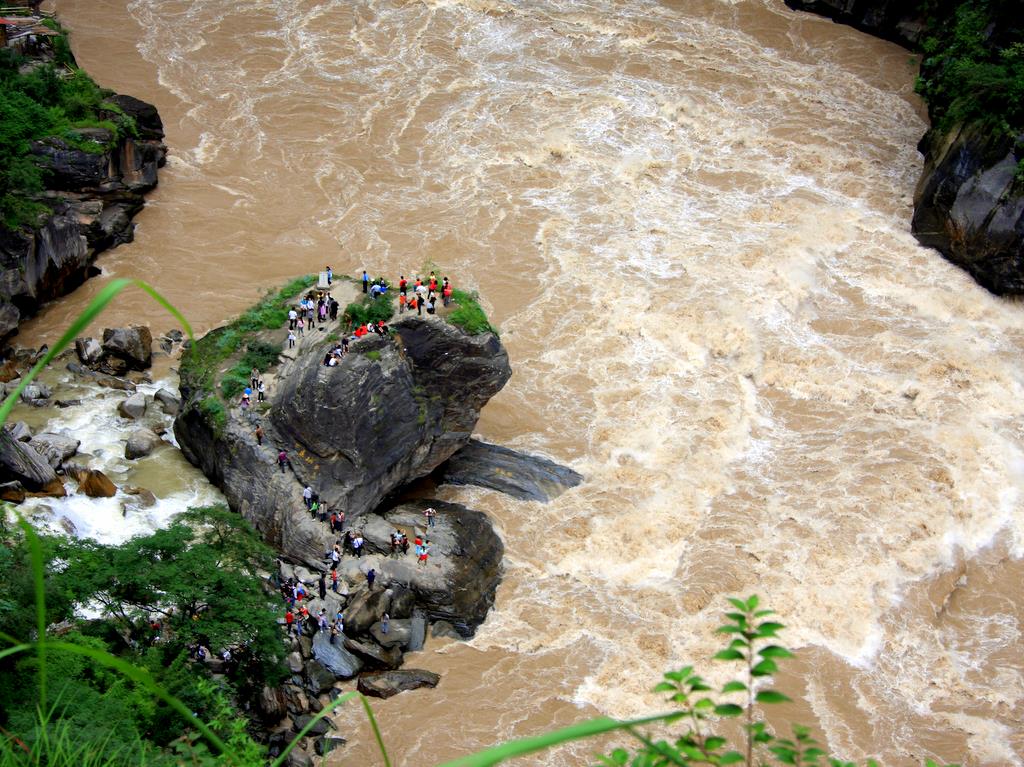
(390, 683)
(521, 475)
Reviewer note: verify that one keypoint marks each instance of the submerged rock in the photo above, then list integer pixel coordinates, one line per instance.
(94, 483)
(389, 683)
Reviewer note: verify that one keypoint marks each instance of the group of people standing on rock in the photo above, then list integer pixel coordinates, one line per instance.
(257, 386)
(316, 307)
(424, 294)
(297, 614)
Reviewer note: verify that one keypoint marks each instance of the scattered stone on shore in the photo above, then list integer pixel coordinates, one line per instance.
(141, 497)
(36, 394)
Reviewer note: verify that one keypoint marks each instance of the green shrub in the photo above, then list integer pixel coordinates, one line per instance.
(973, 69)
(40, 104)
(373, 354)
(469, 315)
(367, 310)
(214, 411)
(260, 355)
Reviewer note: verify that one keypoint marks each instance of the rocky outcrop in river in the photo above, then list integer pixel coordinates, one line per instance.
(391, 412)
(968, 203)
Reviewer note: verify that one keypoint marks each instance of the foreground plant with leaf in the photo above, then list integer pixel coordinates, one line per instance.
(753, 648)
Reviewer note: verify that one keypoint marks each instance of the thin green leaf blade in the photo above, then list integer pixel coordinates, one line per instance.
(523, 746)
(97, 305)
(771, 696)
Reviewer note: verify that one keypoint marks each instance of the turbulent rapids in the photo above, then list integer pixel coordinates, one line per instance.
(690, 220)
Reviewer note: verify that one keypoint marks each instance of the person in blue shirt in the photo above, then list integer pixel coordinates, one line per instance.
(366, 282)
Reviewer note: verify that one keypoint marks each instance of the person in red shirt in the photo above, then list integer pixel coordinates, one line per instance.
(401, 302)
(446, 292)
(361, 331)
(289, 620)
(414, 303)
(403, 284)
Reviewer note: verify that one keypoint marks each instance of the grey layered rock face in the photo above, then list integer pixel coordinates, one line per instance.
(523, 476)
(898, 20)
(334, 657)
(968, 206)
(20, 462)
(55, 448)
(98, 196)
(362, 429)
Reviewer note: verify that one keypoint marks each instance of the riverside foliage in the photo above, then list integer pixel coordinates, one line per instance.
(48, 101)
(973, 66)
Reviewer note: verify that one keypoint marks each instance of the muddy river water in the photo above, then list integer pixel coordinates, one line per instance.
(690, 219)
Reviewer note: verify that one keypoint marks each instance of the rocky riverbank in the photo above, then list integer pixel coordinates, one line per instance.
(95, 182)
(969, 201)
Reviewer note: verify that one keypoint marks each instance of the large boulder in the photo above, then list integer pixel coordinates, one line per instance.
(389, 683)
(394, 410)
(170, 402)
(374, 655)
(55, 448)
(364, 609)
(133, 407)
(521, 475)
(20, 462)
(398, 634)
(141, 443)
(271, 703)
(334, 657)
(93, 483)
(133, 345)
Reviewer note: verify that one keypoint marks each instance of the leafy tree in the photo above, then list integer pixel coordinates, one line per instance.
(194, 577)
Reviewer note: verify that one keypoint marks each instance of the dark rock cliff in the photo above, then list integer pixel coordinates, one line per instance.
(967, 204)
(900, 21)
(94, 197)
